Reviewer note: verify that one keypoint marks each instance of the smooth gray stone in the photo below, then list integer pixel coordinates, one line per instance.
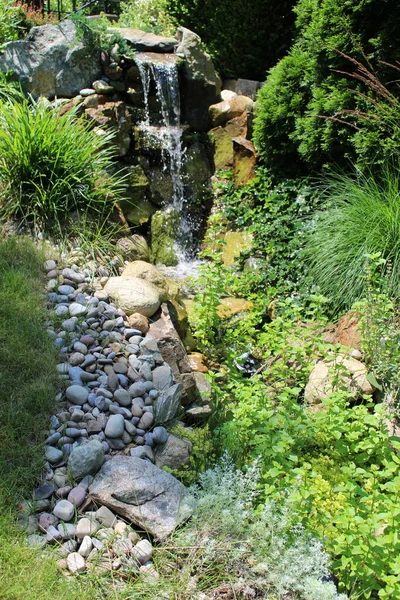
(86, 459)
(115, 409)
(64, 510)
(116, 443)
(73, 275)
(77, 496)
(45, 491)
(115, 426)
(137, 389)
(73, 432)
(66, 290)
(76, 309)
(123, 397)
(160, 435)
(53, 455)
(69, 324)
(75, 374)
(62, 311)
(77, 394)
(53, 439)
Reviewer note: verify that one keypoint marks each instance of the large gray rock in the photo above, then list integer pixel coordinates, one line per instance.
(202, 85)
(174, 354)
(86, 459)
(134, 295)
(140, 492)
(167, 405)
(174, 454)
(52, 61)
(144, 40)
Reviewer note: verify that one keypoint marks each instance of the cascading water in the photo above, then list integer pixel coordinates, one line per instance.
(167, 128)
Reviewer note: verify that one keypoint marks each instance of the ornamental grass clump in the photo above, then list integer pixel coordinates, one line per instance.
(362, 219)
(52, 164)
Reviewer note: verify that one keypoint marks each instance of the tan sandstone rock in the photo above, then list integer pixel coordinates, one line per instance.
(351, 374)
(134, 295)
(148, 272)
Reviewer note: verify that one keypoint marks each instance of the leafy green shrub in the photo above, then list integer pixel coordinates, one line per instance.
(306, 108)
(149, 15)
(362, 219)
(52, 164)
(238, 47)
(276, 216)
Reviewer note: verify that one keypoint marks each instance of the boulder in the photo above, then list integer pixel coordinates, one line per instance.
(222, 140)
(174, 454)
(86, 459)
(52, 61)
(113, 117)
(201, 83)
(134, 295)
(243, 87)
(169, 343)
(226, 110)
(235, 242)
(204, 388)
(167, 405)
(134, 247)
(244, 161)
(347, 331)
(143, 40)
(148, 272)
(349, 373)
(197, 362)
(232, 306)
(142, 493)
(174, 353)
(197, 172)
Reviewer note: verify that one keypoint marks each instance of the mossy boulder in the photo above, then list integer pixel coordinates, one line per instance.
(164, 230)
(136, 206)
(222, 140)
(235, 243)
(134, 247)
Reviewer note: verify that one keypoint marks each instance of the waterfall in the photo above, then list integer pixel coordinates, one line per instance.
(165, 76)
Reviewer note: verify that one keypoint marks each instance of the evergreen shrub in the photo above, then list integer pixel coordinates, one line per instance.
(305, 116)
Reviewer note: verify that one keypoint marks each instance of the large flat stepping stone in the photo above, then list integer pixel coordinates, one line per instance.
(143, 494)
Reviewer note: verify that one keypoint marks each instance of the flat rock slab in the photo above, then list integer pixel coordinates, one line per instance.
(143, 40)
(143, 494)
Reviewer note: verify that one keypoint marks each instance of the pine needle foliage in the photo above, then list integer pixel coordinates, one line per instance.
(52, 164)
(362, 219)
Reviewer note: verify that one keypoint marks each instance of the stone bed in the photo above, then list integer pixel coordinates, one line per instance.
(119, 393)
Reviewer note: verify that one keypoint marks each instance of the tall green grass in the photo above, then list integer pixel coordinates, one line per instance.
(28, 381)
(52, 164)
(362, 218)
